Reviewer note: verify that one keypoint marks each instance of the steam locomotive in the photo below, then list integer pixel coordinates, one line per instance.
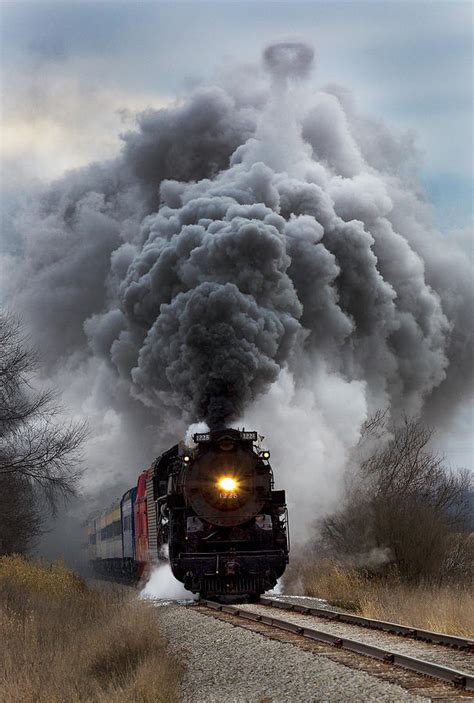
(211, 510)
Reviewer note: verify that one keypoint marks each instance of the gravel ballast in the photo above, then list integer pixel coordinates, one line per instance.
(437, 654)
(226, 663)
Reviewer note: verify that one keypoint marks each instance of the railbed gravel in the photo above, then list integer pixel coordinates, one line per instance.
(233, 665)
(436, 653)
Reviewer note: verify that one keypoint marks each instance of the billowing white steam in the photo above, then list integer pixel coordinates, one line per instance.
(261, 257)
(162, 585)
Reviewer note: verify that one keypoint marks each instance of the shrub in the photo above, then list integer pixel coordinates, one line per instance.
(402, 508)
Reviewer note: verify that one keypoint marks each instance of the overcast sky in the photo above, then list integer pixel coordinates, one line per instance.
(73, 74)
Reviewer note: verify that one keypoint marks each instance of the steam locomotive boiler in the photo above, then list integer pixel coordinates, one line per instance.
(226, 526)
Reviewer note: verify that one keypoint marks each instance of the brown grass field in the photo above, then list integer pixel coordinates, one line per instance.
(445, 608)
(63, 642)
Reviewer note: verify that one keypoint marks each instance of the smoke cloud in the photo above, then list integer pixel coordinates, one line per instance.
(260, 256)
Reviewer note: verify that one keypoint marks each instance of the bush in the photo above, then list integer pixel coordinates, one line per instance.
(399, 547)
(403, 509)
(63, 642)
(34, 578)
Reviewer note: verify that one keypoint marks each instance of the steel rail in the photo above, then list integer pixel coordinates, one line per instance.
(419, 666)
(391, 627)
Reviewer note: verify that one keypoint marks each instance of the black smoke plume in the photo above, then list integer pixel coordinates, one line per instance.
(237, 235)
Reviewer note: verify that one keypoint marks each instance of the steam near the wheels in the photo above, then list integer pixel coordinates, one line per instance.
(242, 233)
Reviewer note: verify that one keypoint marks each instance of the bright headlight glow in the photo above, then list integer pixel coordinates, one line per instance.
(227, 484)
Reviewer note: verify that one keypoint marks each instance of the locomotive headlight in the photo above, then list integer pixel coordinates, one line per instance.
(186, 458)
(266, 455)
(228, 484)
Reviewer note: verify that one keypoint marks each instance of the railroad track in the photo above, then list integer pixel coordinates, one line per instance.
(394, 628)
(447, 674)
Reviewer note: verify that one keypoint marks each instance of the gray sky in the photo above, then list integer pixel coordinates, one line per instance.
(69, 68)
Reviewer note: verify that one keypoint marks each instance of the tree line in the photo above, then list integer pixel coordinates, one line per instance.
(40, 455)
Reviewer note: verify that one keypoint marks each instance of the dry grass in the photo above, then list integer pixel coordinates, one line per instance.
(62, 642)
(446, 608)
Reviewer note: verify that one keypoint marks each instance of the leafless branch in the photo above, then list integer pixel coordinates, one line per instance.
(402, 499)
(40, 457)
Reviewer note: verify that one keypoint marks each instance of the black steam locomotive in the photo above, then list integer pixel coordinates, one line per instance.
(226, 526)
(211, 510)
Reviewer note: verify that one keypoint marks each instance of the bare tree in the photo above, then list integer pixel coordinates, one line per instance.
(21, 520)
(403, 506)
(39, 457)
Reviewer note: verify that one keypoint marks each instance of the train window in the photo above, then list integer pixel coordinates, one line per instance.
(92, 539)
(115, 529)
